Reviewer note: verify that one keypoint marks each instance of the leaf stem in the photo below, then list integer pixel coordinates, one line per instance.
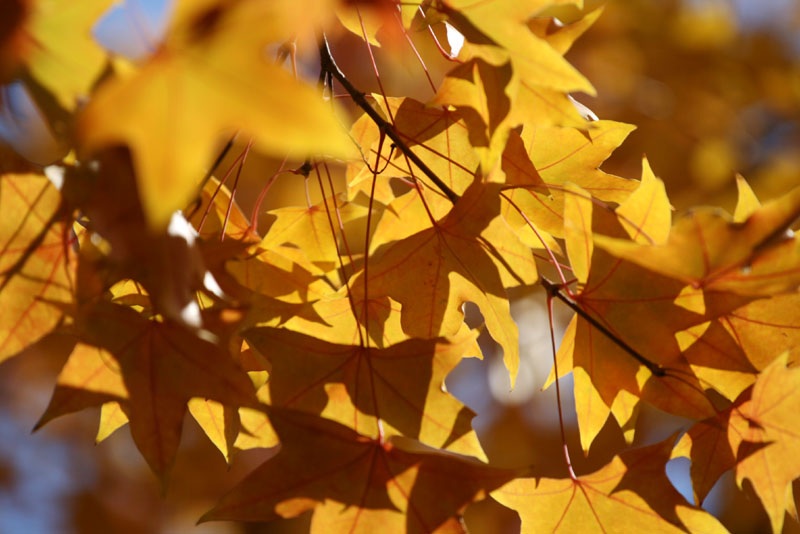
(558, 388)
(367, 237)
(553, 259)
(336, 245)
(234, 188)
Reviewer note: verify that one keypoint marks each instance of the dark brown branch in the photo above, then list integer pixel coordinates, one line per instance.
(329, 66)
(554, 290)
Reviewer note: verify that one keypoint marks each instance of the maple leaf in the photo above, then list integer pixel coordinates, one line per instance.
(217, 213)
(705, 249)
(619, 295)
(540, 105)
(562, 154)
(494, 97)
(691, 352)
(142, 270)
(480, 91)
(168, 264)
(396, 390)
(359, 485)
(498, 33)
(58, 50)
(90, 376)
(768, 420)
(543, 160)
(462, 263)
(706, 444)
(260, 272)
(219, 422)
(309, 229)
(37, 261)
(280, 273)
(408, 214)
(716, 358)
(630, 494)
(766, 328)
(194, 89)
(162, 365)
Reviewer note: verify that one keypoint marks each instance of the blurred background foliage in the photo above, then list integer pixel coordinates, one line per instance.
(714, 89)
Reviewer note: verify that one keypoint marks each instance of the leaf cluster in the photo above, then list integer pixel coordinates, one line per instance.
(334, 353)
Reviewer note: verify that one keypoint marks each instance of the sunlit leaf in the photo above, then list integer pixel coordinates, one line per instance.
(498, 28)
(219, 422)
(37, 261)
(460, 262)
(708, 250)
(768, 420)
(630, 494)
(195, 90)
(62, 54)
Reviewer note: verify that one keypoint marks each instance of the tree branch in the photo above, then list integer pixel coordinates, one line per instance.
(554, 290)
(329, 66)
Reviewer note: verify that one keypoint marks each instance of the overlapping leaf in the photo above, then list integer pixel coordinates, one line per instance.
(690, 352)
(358, 485)
(706, 249)
(620, 296)
(706, 444)
(498, 33)
(757, 435)
(161, 366)
(309, 229)
(457, 260)
(167, 263)
(480, 91)
(347, 353)
(766, 328)
(630, 494)
(764, 432)
(550, 157)
(397, 390)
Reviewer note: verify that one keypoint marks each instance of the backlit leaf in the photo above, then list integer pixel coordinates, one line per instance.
(219, 422)
(37, 261)
(769, 418)
(359, 485)
(500, 25)
(630, 494)
(706, 249)
(195, 90)
(390, 391)
(63, 55)
(458, 266)
(162, 365)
